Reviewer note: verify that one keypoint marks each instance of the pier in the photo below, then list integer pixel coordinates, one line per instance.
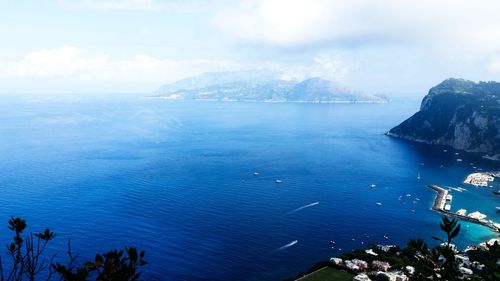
(440, 204)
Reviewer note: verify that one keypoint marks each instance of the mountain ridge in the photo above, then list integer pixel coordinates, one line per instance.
(262, 86)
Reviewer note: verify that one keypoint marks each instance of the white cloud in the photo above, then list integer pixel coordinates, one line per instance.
(70, 65)
(110, 4)
(70, 62)
(290, 23)
(494, 64)
(332, 67)
(49, 63)
(140, 5)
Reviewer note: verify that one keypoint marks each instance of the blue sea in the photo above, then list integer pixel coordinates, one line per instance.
(176, 179)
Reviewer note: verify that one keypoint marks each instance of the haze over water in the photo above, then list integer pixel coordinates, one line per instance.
(176, 179)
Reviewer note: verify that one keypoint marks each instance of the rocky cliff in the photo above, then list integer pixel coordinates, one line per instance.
(458, 113)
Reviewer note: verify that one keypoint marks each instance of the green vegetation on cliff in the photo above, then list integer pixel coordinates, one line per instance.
(458, 113)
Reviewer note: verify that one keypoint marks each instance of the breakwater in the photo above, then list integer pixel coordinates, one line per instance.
(440, 203)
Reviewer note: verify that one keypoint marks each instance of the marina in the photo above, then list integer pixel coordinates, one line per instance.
(480, 179)
(442, 204)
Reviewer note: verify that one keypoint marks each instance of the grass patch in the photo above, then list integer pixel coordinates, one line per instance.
(327, 274)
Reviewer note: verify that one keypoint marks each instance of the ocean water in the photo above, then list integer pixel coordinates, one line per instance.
(176, 179)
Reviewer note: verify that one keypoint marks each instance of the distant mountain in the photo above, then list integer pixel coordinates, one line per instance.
(457, 113)
(261, 86)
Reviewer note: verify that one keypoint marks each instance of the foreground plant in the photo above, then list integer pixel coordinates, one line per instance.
(30, 263)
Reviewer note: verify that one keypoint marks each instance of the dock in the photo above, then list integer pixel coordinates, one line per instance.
(440, 200)
(440, 204)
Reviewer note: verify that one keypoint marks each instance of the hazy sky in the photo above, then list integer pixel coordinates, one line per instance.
(380, 46)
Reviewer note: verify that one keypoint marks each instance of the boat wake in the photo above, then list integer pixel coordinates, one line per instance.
(303, 207)
(287, 246)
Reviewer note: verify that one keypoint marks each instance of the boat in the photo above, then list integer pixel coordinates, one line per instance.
(497, 192)
(255, 173)
(418, 176)
(279, 181)
(378, 203)
(498, 208)
(373, 185)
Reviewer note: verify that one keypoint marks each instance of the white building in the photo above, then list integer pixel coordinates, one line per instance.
(361, 277)
(477, 215)
(410, 269)
(380, 265)
(337, 261)
(465, 271)
(362, 265)
(463, 259)
(350, 265)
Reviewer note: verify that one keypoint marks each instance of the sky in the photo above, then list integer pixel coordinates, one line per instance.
(394, 47)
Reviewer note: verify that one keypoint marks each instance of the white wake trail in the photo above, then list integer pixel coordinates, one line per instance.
(287, 245)
(303, 207)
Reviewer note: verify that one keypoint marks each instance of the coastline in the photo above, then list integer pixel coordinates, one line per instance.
(272, 101)
(483, 154)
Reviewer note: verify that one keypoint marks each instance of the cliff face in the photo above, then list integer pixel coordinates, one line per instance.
(457, 113)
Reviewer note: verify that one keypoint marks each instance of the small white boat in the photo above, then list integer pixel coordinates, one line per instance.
(278, 181)
(255, 173)
(459, 160)
(418, 176)
(373, 185)
(378, 203)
